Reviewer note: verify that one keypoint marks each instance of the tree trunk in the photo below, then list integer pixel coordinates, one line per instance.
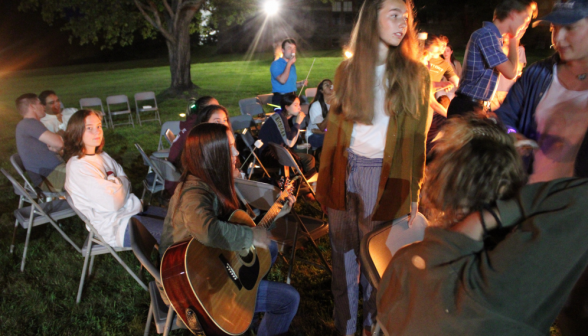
(179, 53)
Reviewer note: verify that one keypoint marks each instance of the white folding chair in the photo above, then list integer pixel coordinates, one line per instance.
(241, 122)
(265, 99)
(119, 100)
(289, 230)
(143, 97)
(249, 141)
(378, 247)
(174, 127)
(251, 107)
(95, 245)
(310, 92)
(154, 181)
(93, 103)
(38, 214)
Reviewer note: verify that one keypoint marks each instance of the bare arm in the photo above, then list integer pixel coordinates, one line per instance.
(52, 140)
(438, 108)
(455, 80)
(509, 69)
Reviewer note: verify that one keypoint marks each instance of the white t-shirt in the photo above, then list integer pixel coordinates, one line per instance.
(316, 117)
(101, 191)
(562, 121)
(52, 123)
(369, 140)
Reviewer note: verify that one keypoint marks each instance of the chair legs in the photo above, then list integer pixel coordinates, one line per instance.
(169, 320)
(149, 319)
(85, 268)
(20, 202)
(26, 246)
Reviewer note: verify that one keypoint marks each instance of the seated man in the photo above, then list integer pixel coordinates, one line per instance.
(38, 147)
(55, 118)
(455, 282)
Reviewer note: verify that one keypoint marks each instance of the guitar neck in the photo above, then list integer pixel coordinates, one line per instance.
(272, 213)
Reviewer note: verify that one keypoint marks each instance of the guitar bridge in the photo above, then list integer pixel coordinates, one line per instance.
(230, 271)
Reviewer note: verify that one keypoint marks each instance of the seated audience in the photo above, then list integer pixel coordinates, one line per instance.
(283, 128)
(175, 152)
(38, 147)
(56, 118)
(205, 199)
(97, 184)
(315, 133)
(455, 281)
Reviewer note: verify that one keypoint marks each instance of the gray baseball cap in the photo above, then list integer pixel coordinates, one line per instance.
(566, 12)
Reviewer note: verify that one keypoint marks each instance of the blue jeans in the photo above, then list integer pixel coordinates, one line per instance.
(316, 140)
(279, 302)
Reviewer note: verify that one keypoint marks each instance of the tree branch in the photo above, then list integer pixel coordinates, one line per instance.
(195, 4)
(169, 10)
(157, 23)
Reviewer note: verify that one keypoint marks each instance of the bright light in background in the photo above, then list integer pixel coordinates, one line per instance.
(183, 115)
(271, 7)
(348, 54)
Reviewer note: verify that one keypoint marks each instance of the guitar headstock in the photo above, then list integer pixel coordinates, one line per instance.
(287, 187)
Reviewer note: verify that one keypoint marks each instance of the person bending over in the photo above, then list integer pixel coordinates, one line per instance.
(514, 282)
(97, 184)
(204, 201)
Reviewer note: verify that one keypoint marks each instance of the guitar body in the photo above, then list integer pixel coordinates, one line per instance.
(217, 286)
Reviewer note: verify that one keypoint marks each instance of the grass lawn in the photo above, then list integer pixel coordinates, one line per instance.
(41, 301)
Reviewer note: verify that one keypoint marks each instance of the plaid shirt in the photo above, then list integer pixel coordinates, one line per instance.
(483, 53)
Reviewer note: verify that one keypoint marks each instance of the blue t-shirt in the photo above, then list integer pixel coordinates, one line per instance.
(483, 54)
(38, 160)
(277, 68)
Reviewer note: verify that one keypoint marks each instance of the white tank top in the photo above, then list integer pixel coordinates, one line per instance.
(562, 121)
(369, 140)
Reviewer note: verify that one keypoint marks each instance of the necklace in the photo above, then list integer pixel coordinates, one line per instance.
(582, 76)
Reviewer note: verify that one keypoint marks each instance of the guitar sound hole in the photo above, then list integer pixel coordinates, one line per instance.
(248, 258)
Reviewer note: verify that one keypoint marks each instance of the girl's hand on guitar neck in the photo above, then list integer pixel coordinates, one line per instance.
(260, 237)
(290, 200)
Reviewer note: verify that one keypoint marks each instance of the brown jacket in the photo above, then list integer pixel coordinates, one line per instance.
(403, 168)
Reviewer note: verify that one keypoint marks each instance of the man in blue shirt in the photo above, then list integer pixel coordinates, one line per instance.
(283, 72)
(484, 59)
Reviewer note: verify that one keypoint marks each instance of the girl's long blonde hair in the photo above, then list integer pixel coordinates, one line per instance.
(355, 77)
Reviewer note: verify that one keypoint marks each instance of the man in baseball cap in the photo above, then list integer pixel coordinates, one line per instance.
(548, 105)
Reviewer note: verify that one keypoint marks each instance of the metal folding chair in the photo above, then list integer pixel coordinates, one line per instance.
(119, 100)
(241, 122)
(250, 143)
(286, 159)
(291, 229)
(86, 103)
(170, 136)
(378, 247)
(154, 182)
(147, 96)
(38, 214)
(174, 127)
(144, 246)
(95, 245)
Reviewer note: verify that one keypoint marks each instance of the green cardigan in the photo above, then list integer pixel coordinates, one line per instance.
(403, 168)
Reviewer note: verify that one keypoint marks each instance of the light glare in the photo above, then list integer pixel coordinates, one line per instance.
(271, 7)
(348, 54)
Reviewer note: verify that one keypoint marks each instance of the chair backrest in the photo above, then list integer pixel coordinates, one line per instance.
(91, 102)
(241, 122)
(247, 138)
(20, 190)
(118, 99)
(20, 169)
(265, 99)
(249, 106)
(170, 136)
(378, 247)
(310, 92)
(165, 169)
(143, 244)
(173, 126)
(148, 95)
(148, 162)
(258, 194)
(284, 157)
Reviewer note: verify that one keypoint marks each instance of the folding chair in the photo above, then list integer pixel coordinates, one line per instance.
(241, 122)
(86, 103)
(286, 160)
(143, 245)
(147, 96)
(310, 92)
(378, 247)
(250, 143)
(290, 229)
(119, 100)
(251, 107)
(174, 127)
(265, 99)
(165, 169)
(95, 245)
(154, 181)
(38, 214)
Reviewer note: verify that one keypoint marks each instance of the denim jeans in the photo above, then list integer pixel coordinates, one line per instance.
(279, 302)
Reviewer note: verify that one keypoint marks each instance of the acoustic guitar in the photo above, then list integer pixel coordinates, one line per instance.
(214, 288)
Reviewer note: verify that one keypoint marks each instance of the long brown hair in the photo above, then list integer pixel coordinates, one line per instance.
(354, 79)
(74, 135)
(475, 164)
(207, 156)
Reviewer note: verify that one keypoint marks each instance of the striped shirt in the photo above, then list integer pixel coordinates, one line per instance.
(483, 53)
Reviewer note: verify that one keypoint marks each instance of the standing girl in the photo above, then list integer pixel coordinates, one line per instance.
(373, 159)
